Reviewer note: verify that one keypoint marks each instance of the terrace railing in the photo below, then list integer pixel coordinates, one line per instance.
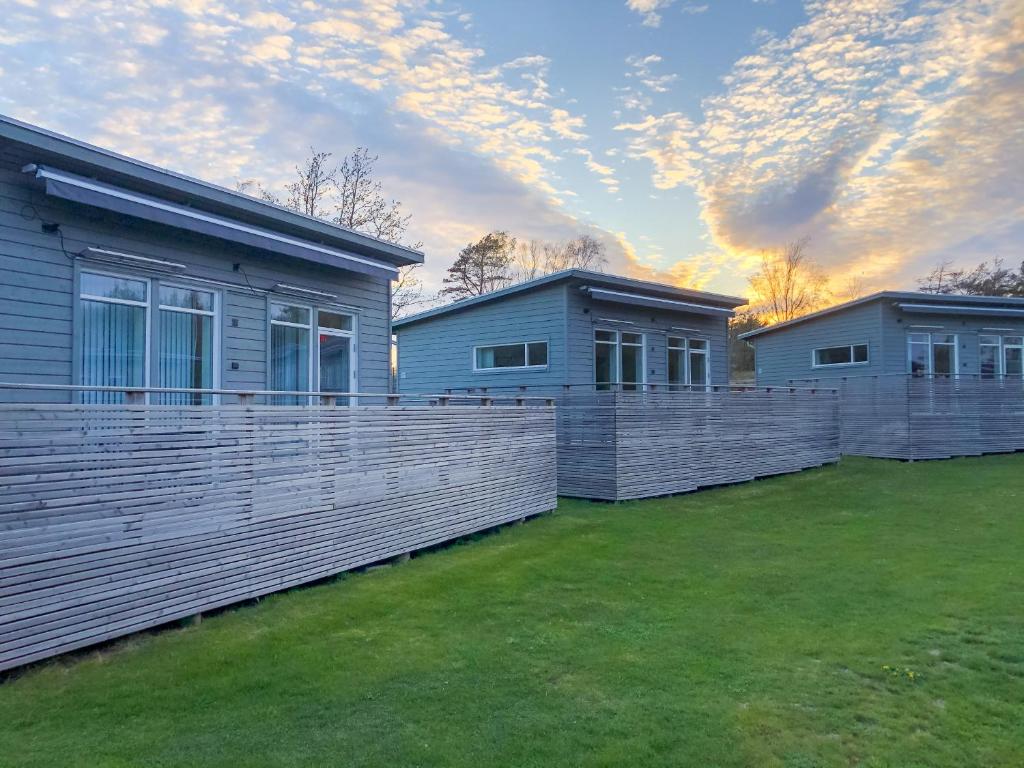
(119, 517)
(930, 417)
(657, 440)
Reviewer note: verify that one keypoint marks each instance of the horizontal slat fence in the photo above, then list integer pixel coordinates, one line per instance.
(630, 445)
(931, 418)
(681, 441)
(116, 518)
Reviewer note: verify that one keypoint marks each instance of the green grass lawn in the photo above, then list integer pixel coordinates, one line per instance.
(743, 626)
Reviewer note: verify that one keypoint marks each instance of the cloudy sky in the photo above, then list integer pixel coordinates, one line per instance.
(688, 134)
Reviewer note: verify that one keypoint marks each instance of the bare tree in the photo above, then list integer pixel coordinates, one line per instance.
(254, 188)
(316, 180)
(528, 262)
(788, 284)
(355, 197)
(535, 258)
(481, 267)
(983, 280)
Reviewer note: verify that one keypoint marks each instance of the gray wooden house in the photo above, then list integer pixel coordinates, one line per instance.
(896, 333)
(572, 327)
(118, 273)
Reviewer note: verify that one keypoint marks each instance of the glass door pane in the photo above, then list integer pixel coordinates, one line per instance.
(676, 366)
(289, 362)
(943, 354)
(632, 361)
(605, 364)
(186, 356)
(335, 363)
(113, 348)
(1014, 357)
(698, 368)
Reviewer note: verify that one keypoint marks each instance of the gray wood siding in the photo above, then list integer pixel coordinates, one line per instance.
(584, 315)
(37, 295)
(784, 356)
(897, 325)
(437, 354)
(114, 519)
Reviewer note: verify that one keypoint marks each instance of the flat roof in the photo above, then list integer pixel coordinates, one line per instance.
(951, 299)
(598, 278)
(23, 143)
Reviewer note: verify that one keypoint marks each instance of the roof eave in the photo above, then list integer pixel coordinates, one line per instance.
(228, 200)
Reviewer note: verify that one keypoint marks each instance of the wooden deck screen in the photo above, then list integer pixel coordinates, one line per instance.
(118, 518)
(904, 417)
(630, 445)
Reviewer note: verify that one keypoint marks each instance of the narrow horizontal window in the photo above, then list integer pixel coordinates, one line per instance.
(174, 297)
(845, 355)
(96, 286)
(608, 336)
(520, 355)
(334, 321)
(632, 338)
(289, 313)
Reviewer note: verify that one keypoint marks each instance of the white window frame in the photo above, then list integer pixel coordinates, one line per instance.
(1003, 346)
(215, 314)
(931, 351)
(148, 304)
(526, 356)
(687, 369)
(353, 372)
(618, 352)
(852, 363)
(1000, 361)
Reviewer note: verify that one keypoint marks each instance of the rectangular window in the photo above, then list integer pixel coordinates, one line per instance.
(688, 361)
(186, 354)
(932, 354)
(290, 364)
(533, 354)
(114, 330)
(848, 354)
(618, 359)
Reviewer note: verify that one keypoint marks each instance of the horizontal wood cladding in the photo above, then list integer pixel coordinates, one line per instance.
(118, 518)
(623, 445)
(903, 417)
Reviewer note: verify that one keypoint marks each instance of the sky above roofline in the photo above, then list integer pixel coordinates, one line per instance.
(686, 135)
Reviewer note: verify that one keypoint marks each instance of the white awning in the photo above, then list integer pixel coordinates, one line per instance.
(960, 309)
(618, 297)
(88, 192)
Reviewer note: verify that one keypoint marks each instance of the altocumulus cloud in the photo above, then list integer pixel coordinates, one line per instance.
(233, 91)
(888, 132)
